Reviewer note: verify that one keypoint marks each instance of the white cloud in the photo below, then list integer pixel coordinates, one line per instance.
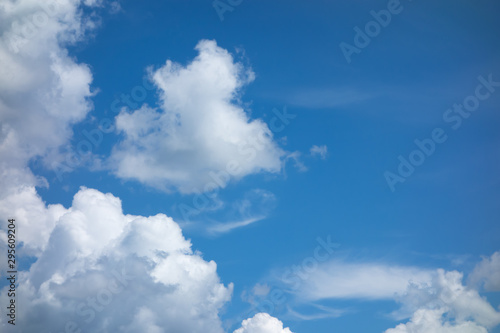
(487, 273)
(319, 150)
(446, 306)
(200, 138)
(427, 321)
(221, 228)
(94, 267)
(337, 279)
(103, 270)
(321, 312)
(262, 323)
(91, 266)
(43, 93)
(253, 207)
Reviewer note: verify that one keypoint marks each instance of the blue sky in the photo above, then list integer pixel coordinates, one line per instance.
(366, 187)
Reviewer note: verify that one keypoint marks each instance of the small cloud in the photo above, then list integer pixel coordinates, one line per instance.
(260, 323)
(298, 164)
(322, 151)
(115, 7)
(324, 312)
(222, 228)
(261, 289)
(91, 3)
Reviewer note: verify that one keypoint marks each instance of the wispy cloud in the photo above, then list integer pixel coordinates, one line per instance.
(222, 228)
(342, 280)
(324, 312)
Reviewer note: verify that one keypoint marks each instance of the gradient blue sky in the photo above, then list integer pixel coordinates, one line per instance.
(366, 112)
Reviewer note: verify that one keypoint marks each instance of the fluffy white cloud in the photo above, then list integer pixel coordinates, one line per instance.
(91, 266)
(106, 271)
(426, 321)
(487, 272)
(262, 323)
(43, 93)
(200, 138)
(337, 279)
(446, 306)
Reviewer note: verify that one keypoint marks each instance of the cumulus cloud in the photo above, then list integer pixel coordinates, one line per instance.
(446, 306)
(89, 266)
(487, 273)
(43, 93)
(262, 323)
(426, 320)
(106, 271)
(200, 138)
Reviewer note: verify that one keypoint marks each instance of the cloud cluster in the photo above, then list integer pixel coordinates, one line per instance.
(446, 306)
(88, 267)
(434, 300)
(43, 93)
(42, 89)
(200, 138)
(262, 323)
(158, 282)
(428, 320)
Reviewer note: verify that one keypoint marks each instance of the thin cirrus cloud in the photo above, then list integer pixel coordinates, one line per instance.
(200, 138)
(343, 280)
(253, 207)
(222, 228)
(431, 300)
